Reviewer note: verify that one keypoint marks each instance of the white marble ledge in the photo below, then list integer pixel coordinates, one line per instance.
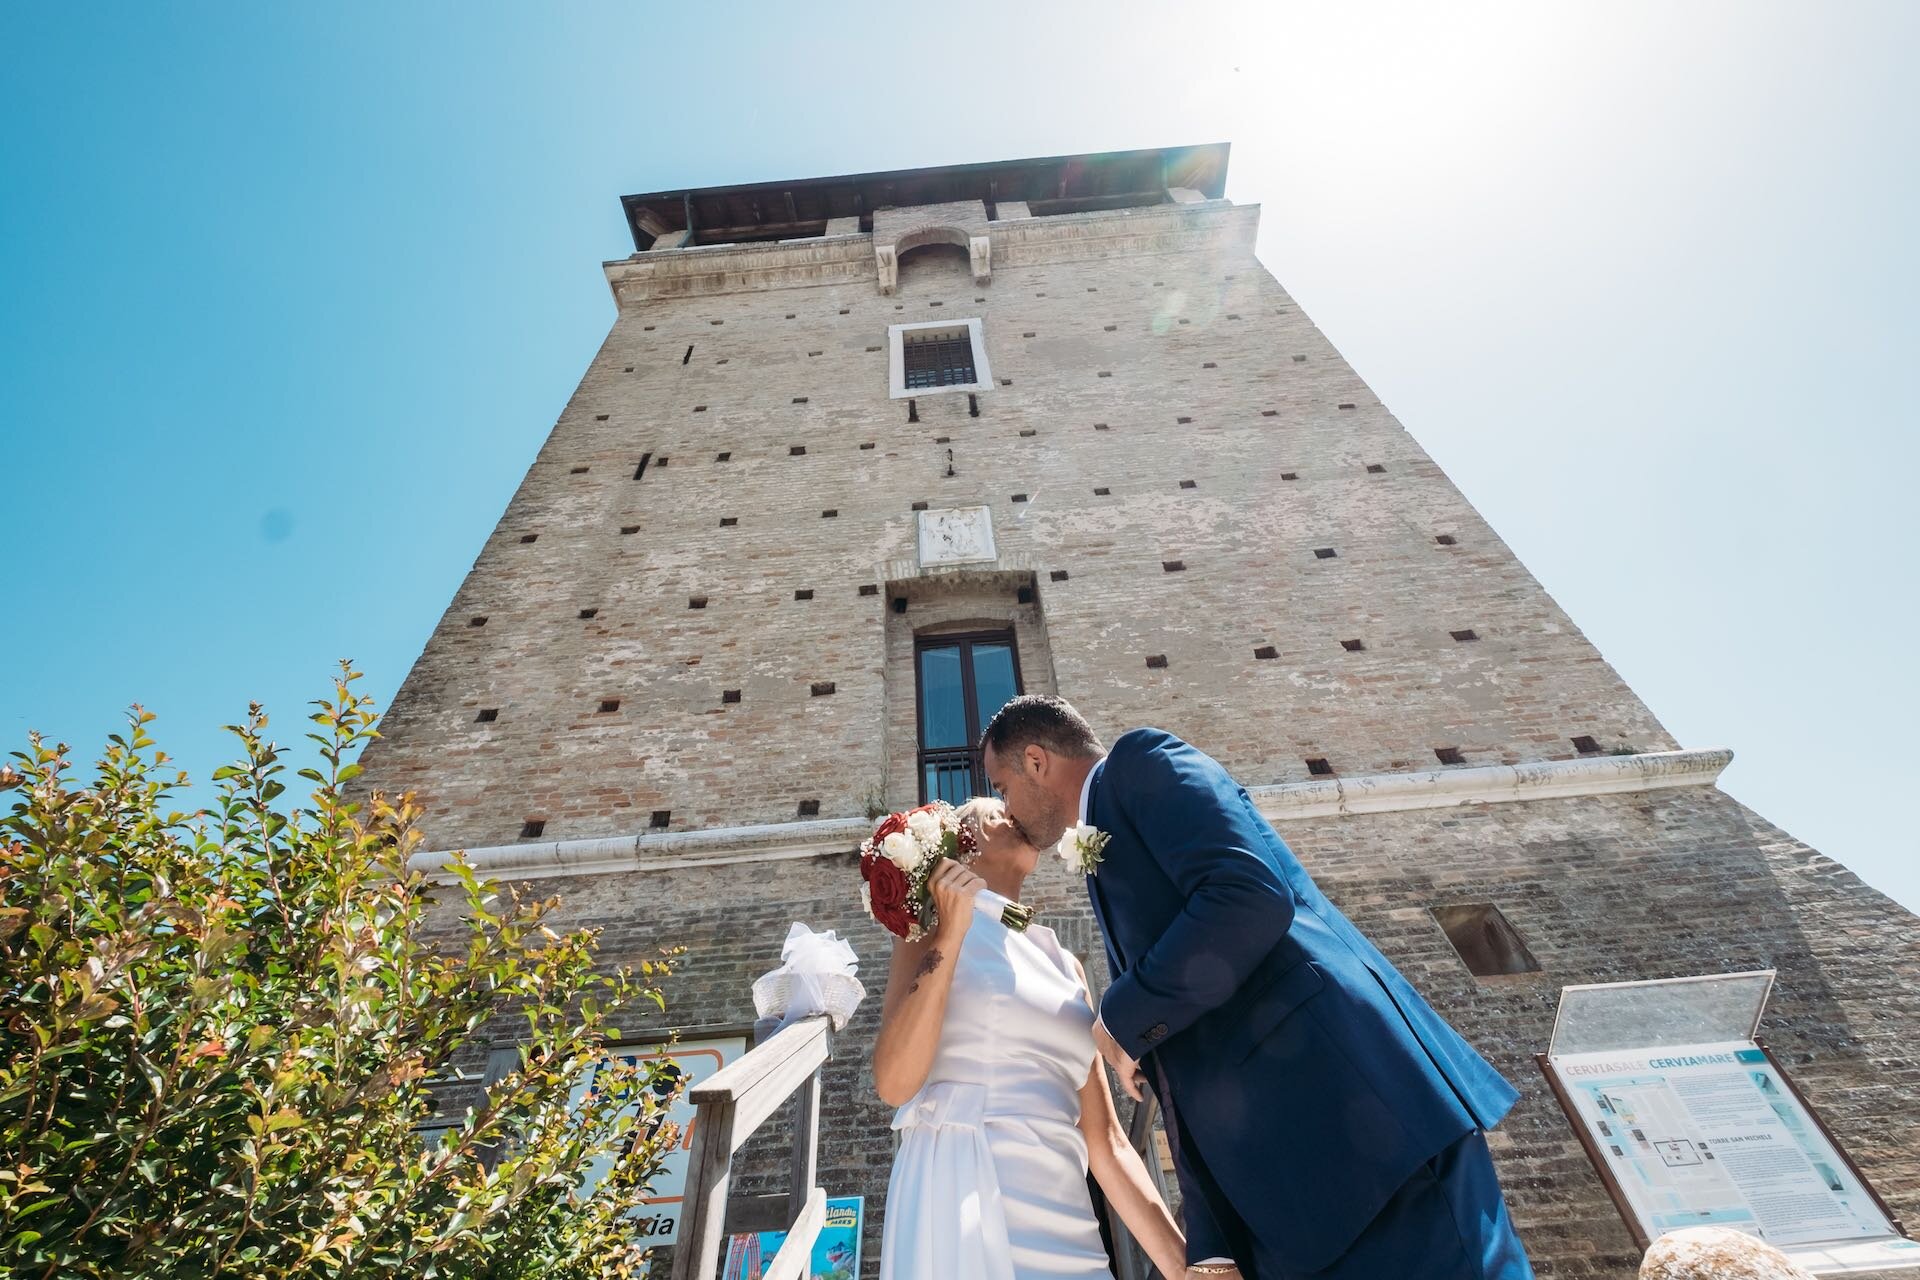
(1316, 798)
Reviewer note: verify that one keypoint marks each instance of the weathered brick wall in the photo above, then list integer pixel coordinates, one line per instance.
(1125, 373)
(1129, 358)
(1603, 889)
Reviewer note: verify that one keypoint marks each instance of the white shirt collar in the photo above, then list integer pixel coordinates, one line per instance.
(1086, 790)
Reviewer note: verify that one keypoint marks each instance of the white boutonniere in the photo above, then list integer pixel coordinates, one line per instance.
(1081, 848)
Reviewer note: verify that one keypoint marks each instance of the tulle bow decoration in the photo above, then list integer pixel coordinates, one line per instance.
(816, 976)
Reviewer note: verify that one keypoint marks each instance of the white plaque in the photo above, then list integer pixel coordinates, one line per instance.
(957, 535)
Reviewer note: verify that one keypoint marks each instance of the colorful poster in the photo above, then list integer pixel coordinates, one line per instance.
(836, 1251)
(695, 1060)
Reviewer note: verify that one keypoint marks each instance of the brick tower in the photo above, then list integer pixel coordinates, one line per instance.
(860, 456)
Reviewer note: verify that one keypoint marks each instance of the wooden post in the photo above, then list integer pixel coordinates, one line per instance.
(806, 1145)
(696, 1255)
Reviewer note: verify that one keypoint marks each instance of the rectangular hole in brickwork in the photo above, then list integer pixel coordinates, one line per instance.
(913, 411)
(1028, 433)
(629, 528)
(816, 353)
(1100, 426)
(936, 304)
(1023, 595)
(867, 445)
(487, 715)
(790, 315)
(1019, 497)
(1585, 745)
(728, 522)
(1182, 421)
(729, 695)
(1289, 475)
(804, 593)
(726, 456)
(1233, 317)
(979, 299)
(1104, 374)
(796, 450)
(1353, 646)
(1159, 284)
(1299, 359)
(646, 328)
(809, 808)
(1374, 468)
(799, 399)
(1173, 566)
(919, 506)
(871, 350)
(1266, 651)
(899, 604)
(696, 602)
(1027, 334)
(846, 311)
(1318, 766)
(688, 356)
(1324, 553)
(1464, 636)
(831, 513)
(716, 322)
(577, 471)
(609, 704)
(1487, 943)
(1269, 413)
(699, 408)
(973, 405)
(1101, 493)
(662, 460)
(589, 613)
(1449, 755)
(1058, 575)
(943, 439)
(1006, 382)
(1041, 294)
(1186, 322)
(661, 819)
(480, 621)
(529, 537)
(869, 589)
(629, 369)
(1091, 289)
(532, 828)
(1110, 328)
(600, 417)
(821, 688)
(721, 360)
(1346, 406)
(1189, 484)
(1156, 661)
(640, 471)
(1209, 365)
(1446, 540)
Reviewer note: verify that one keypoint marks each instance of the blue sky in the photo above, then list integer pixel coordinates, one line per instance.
(292, 294)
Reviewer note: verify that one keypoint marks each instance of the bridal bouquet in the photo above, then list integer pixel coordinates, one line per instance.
(901, 855)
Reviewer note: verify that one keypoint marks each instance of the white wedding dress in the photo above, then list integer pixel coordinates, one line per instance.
(990, 1179)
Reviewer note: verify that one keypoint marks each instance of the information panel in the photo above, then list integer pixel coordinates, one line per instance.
(1710, 1132)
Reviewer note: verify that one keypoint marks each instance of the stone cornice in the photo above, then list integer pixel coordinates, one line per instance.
(1328, 797)
(705, 270)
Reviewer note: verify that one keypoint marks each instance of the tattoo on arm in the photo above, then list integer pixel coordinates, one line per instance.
(928, 964)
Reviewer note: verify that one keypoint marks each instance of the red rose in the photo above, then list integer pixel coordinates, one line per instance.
(894, 822)
(888, 891)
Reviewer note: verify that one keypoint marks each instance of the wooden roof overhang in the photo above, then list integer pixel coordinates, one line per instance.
(1049, 185)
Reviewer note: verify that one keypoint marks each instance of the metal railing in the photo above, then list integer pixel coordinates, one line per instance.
(1130, 1261)
(728, 1107)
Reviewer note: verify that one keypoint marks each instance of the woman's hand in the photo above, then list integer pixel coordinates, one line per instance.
(953, 887)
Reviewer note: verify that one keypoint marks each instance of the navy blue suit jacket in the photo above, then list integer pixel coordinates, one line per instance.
(1306, 1079)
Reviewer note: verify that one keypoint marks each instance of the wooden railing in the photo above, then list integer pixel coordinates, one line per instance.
(728, 1107)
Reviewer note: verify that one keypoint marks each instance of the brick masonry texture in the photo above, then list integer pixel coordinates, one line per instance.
(788, 348)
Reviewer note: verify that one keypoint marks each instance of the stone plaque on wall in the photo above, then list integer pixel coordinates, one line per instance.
(956, 535)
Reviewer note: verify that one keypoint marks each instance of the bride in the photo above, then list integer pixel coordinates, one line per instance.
(986, 1048)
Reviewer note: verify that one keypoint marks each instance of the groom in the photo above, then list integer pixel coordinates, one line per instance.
(1324, 1121)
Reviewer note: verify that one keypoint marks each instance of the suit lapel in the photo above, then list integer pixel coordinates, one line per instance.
(1115, 962)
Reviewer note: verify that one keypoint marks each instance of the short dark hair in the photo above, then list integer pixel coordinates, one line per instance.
(1039, 719)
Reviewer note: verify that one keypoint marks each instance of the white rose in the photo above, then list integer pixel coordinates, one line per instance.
(925, 827)
(900, 849)
(1069, 846)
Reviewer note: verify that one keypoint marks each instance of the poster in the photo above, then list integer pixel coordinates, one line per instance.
(836, 1251)
(1710, 1135)
(696, 1060)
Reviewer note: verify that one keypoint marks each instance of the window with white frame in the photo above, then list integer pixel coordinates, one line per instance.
(944, 355)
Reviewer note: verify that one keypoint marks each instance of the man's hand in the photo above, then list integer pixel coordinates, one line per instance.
(1132, 1078)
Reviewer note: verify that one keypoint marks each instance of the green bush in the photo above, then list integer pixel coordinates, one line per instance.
(221, 1032)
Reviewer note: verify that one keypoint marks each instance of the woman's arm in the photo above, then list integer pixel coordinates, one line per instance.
(1124, 1178)
(917, 985)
